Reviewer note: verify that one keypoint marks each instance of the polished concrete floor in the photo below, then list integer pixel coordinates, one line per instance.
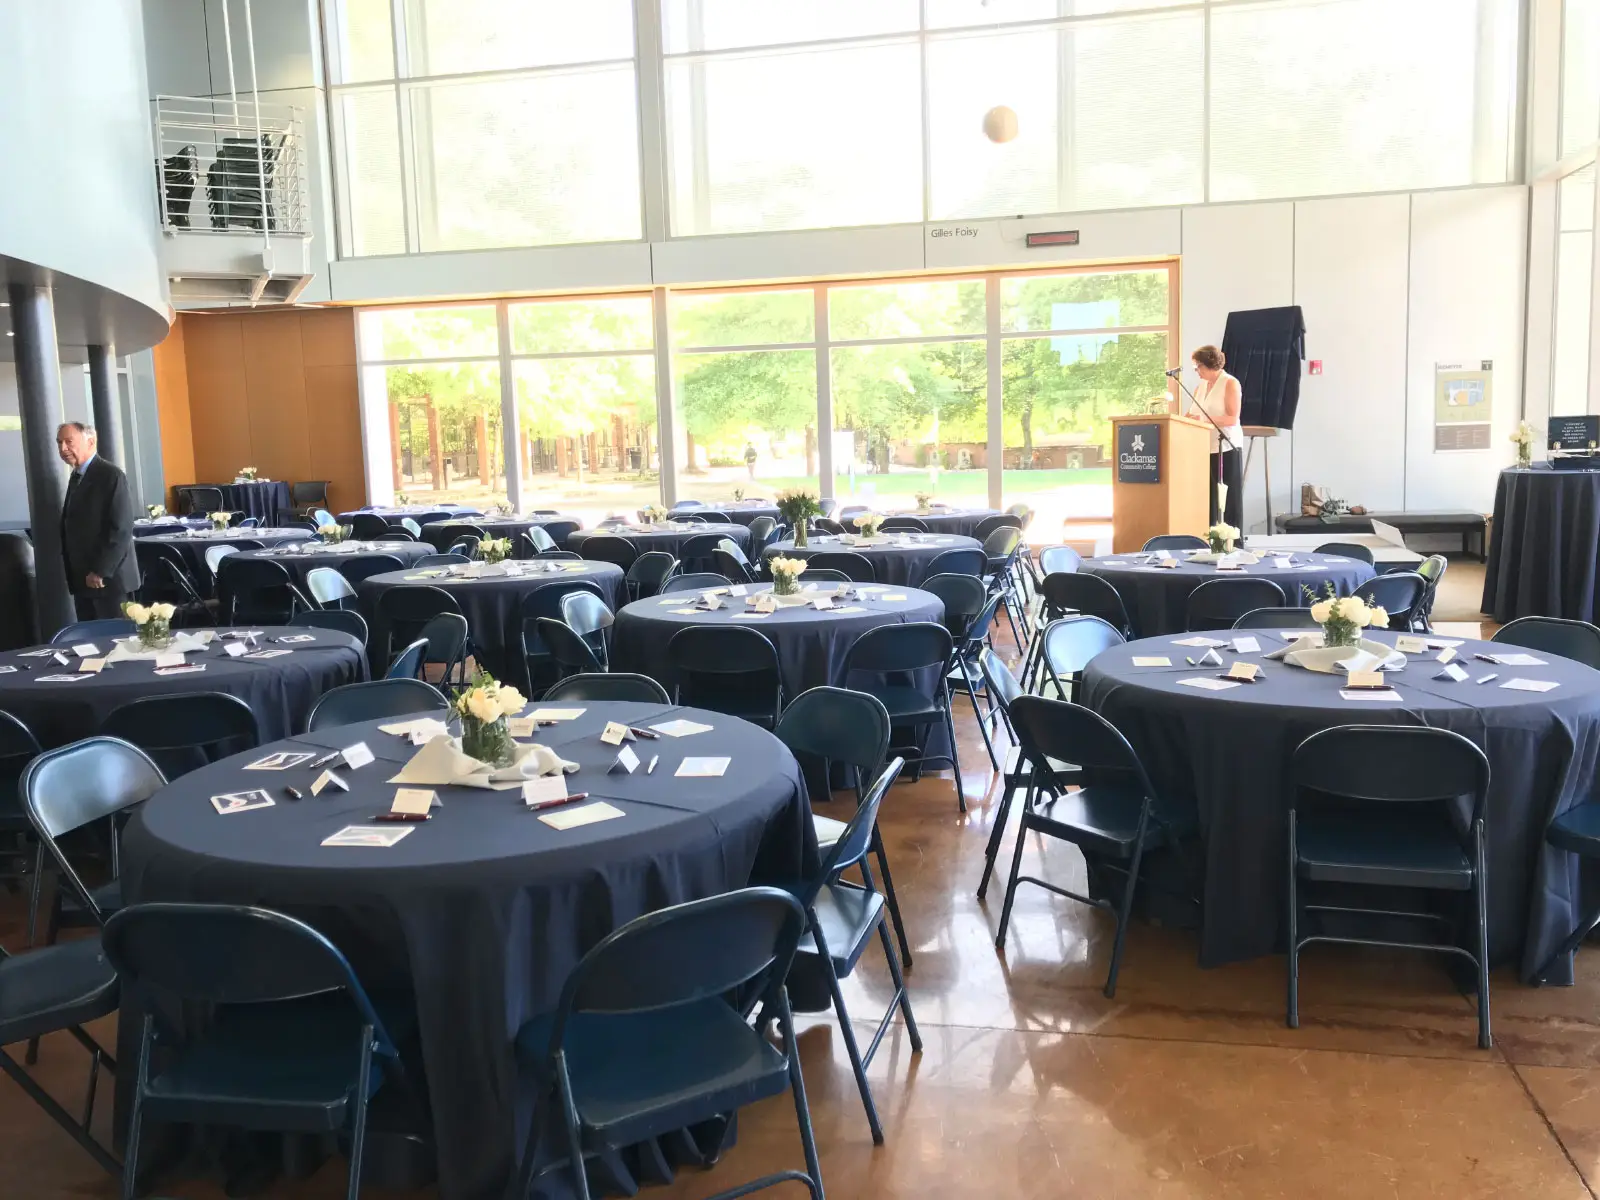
(1186, 1086)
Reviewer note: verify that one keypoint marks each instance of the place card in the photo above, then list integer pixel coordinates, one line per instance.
(710, 602)
(328, 780)
(86, 650)
(92, 665)
(1366, 679)
(417, 731)
(172, 659)
(681, 728)
(46, 653)
(295, 639)
(1283, 564)
(282, 760)
(586, 814)
(1445, 655)
(1436, 643)
(60, 658)
(894, 597)
(738, 589)
(235, 649)
(63, 678)
(1410, 645)
(1207, 684)
(189, 669)
(1388, 694)
(627, 762)
(1166, 564)
(237, 802)
(615, 733)
(356, 756)
(8, 670)
(1198, 641)
(685, 612)
(849, 608)
(1226, 566)
(761, 616)
(412, 801)
(1246, 645)
(766, 604)
(544, 789)
(1151, 660)
(822, 603)
(1454, 673)
(1209, 659)
(1246, 672)
(367, 835)
(702, 768)
(1517, 660)
(1530, 685)
(263, 654)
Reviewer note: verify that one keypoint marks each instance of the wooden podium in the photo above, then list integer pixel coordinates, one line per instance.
(1173, 497)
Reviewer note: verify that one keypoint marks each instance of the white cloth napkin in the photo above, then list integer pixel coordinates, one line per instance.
(440, 763)
(130, 650)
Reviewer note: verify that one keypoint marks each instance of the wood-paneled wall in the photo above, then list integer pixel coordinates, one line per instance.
(272, 390)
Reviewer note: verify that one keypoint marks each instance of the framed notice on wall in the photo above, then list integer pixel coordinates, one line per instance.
(1463, 404)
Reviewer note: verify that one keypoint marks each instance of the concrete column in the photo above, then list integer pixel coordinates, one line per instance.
(107, 401)
(33, 321)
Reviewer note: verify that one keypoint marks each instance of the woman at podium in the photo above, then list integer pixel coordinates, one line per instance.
(1220, 397)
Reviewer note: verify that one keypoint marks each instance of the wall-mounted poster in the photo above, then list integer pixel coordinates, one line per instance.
(1463, 404)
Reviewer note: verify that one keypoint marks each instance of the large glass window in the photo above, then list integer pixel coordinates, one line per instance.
(1580, 74)
(1574, 293)
(505, 123)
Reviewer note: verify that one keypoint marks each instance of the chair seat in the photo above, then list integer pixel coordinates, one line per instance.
(108, 896)
(1577, 830)
(847, 916)
(1065, 772)
(51, 988)
(906, 703)
(828, 830)
(1391, 851)
(636, 1075)
(1103, 818)
(285, 1065)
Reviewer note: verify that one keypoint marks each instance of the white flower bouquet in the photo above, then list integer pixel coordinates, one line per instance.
(483, 707)
(155, 511)
(924, 501)
(652, 514)
(1222, 537)
(786, 574)
(1343, 618)
(1523, 440)
(493, 550)
(152, 622)
(797, 507)
(247, 474)
(333, 533)
(738, 495)
(219, 520)
(869, 523)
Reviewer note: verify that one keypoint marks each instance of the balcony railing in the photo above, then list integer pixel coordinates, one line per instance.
(230, 166)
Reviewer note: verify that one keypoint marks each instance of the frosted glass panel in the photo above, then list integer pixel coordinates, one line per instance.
(449, 37)
(689, 25)
(1574, 294)
(952, 13)
(371, 199)
(1580, 74)
(365, 41)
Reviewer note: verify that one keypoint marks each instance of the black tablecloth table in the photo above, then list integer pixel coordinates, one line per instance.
(144, 527)
(439, 534)
(280, 691)
(395, 513)
(962, 521)
(490, 603)
(1156, 597)
(901, 561)
(261, 499)
(193, 546)
(742, 511)
(299, 558)
(671, 539)
(1225, 756)
(484, 910)
(1542, 561)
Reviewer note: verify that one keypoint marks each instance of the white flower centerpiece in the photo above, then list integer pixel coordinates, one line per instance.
(333, 533)
(494, 550)
(924, 501)
(786, 574)
(1523, 440)
(246, 475)
(1222, 537)
(155, 511)
(401, 500)
(652, 514)
(483, 707)
(219, 520)
(869, 524)
(152, 623)
(738, 495)
(796, 508)
(1343, 618)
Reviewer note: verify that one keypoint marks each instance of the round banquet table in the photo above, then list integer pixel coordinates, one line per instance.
(811, 643)
(395, 513)
(261, 499)
(439, 534)
(299, 558)
(742, 511)
(1156, 597)
(940, 519)
(491, 603)
(483, 911)
(193, 546)
(670, 539)
(280, 690)
(1542, 561)
(902, 562)
(1224, 756)
(145, 527)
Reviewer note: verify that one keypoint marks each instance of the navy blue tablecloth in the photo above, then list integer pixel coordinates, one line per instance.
(143, 527)
(1156, 597)
(742, 511)
(439, 534)
(902, 562)
(482, 912)
(299, 558)
(1225, 756)
(1542, 561)
(261, 500)
(671, 540)
(193, 545)
(395, 513)
(940, 519)
(280, 691)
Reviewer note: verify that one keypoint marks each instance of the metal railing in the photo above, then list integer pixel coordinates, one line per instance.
(227, 166)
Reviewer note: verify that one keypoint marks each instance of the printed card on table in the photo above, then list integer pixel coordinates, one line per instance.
(412, 801)
(174, 659)
(357, 756)
(1530, 685)
(1410, 645)
(92, 665)
(586, 814)
(1246, 645)
(237, 802)
(1244, 671)
(295, 639)
(86, 650)
(235, 649)
(1518, 660)
(1388, 694)
(8, 670)
(615, 733)
(190, 669)
(1453, 672)
(1207, 684)
(702, 768)
(557, 714)
(261, 654)
(280, 761)
(544, 789)
(63, 678)
(368, 835)
(681, 728)
(1151, 660)
(1198, 641)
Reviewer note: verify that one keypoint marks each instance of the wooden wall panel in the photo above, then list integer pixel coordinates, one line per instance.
(275, 388)
(328, 337)
(335, 407)
(218, 396)
(172, 410)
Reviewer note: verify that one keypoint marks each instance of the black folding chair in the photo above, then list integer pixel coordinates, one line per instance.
(1401, 594)
(107, 628)
(1376, 806)
(404, 610)
(1347, 550)
(257, 591)
(544, 602)
(369, 527)
(609, 547)
(698, 581)
(184, 732)
(910, 665)
(988, 525)
(763, 531)
(338, 619)
(569, 653)
(536, 540)
(292, 1045)
(408, 663)
(912, 524)
(365, 566)
(958, 562)
(730, 561)
(1432, 570)
(18, 747)
(1218, 603)
(1001, 547)
(1577, 640)
(591, 619)
(613, 685)
(452, 559)
(1276, 618)
(329, 589)
(1177, 541)
(357, 702)
(1059, 559)
(448, 646)
(858, 567)
(969, 611)
(698, 553)
(1068, 646)
(648, 572)
(728, 669)
(657, 991)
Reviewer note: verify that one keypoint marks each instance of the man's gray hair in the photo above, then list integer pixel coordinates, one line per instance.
(82, 427)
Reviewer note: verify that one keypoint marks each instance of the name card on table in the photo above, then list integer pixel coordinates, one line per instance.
(1151, 660)
(412, 801)
(235, 649)
(1388, 694)
(328, 780)
(627, 762)
(173, 659)
(544, 789)
(1410, 645)
(702, 768)
(92, 665)
(87, 650)
(615, 733)
(1454, 673)
(1246, 672)
(822, 602)
(356, 756)
(1445, 655)
(710, 602)
(190, 669)
(1362, 680)
(1246, 645)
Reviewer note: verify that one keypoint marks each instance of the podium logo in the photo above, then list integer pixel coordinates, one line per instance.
(1138, 441)
(1139, 453)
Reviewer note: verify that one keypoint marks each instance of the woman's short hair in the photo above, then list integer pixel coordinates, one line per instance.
(1209, 357)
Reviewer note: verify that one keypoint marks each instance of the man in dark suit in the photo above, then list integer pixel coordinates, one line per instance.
(96, 527)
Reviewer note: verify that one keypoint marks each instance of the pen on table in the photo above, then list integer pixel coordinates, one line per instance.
(647, 734)
(326, 758)
(1488, 677)
(406, 817)
(294, 793)
(541, 805)
(654, 759)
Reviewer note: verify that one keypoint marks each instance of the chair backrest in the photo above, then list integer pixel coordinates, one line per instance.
(585, 613)
(988, 525)
(1062, 559)
(397, 533)
(999, 680)
(560, 556)
(547, 600)
(649, 571)
(466, 545)
(1068, 591)
(761, 530)
(1399, 593)
(1432, 569)
(447, 639)
(1022, 512)
(964, 597)
(726, 668)
(460, 529)
(1177, 541)
(856, 839)
(1347, 550)
(1067, 732)
(614, 685)
(328, 588)
(826, 525)
(356, 702)
(698, 552)
(560, 531)
(570, 652)
(958, 562)
(539, 539)
(608, 547)
(1218, 603)
(320, 515)
(732, 564)
(442, 560)
(88, 631)
(200, 500)
(1070, 642)
(415, 603)
(369, 526)
(255, 589)
(915, 524)
(1002, 542)
(308, 491)
(857, 567)
(365, 566)
(1398, 763)
(697, 581)
(412, 528)
(686, 504)
(17, 747)
(689, 518)
(712, 516)
(731, 548)
(408, 663)
(900, 648)
(215, 555)
(341, 620)
(231, 954)
(837, 725)
(185, 731)
(1577, 640)
(1276, 618)
(825, 575)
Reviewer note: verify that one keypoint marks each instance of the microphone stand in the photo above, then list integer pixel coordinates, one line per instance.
(1222, 438)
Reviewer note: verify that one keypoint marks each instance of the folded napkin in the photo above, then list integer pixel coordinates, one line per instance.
(130, 649)
(440, 763)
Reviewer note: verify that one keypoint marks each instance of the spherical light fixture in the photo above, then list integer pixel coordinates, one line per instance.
(1000, 124)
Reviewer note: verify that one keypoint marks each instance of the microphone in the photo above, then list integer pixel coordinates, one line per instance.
(1175, 372)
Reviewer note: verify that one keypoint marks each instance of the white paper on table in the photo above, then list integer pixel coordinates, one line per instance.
(328, 780)
(1208, 684)
(8, 670)
(702, 768)
(1530, 685)
(681, 728)
(1151, 660)
(86, 650)
(423, 728)
(1518, 660)
(368, 835)
(357, 756)
(235, 649)
(895, 597)
(544, 789)
(586, 814)
(684, 612)
(711, 601)
(1198, 641)
(849, 608)
(1454, 673)
(1445, 655)
(755, 616)
(822, 603)
(1435, 643)
(415, 801)
(441, 764)
(1282, 564)
(737, 589)
(92, 665)
(1246, 645)
(63, 678)
(1362, 694)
